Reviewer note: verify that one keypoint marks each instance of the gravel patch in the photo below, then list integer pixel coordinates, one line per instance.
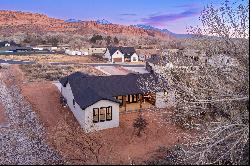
(22, 141)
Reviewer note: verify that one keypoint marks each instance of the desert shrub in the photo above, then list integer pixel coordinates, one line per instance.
(140, 124)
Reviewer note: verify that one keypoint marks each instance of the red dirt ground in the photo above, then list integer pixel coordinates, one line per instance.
(119, 145)
(2, 115)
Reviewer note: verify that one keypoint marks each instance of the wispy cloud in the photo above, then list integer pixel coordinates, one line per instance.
(128, 14)
(162, 19)
(188, 6)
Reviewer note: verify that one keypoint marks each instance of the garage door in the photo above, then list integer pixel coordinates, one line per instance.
(117, 59)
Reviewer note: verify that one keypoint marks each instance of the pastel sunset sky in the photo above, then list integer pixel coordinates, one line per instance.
(175, 15)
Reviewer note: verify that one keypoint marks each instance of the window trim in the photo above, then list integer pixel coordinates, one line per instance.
(105, 110)
(98, 117)
(74, 103)
(111, 116)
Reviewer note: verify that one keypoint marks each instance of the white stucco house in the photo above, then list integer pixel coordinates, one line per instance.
(97, 101)
(121, 54)
(222, 60)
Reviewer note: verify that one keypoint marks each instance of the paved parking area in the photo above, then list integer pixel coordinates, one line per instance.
(121, 70)
(140, 70)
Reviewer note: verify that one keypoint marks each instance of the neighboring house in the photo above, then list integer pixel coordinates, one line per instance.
(97, 101)
(8, 44)
(179, 60)
(59, 47)
(10, 49)
(84, 51)
(73, 52)
(121, 54)
(94, 51)
(221, 60)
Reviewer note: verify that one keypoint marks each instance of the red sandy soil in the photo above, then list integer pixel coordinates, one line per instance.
(119, 145)
(2, 115)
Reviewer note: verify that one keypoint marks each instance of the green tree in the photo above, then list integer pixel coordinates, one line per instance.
(95, 38)
(108, 40)
(116, 41)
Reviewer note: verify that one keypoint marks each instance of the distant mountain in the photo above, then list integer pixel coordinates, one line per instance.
(103, 21)
(166, 31)
(14, 22)
(179, 36)
(146, 27)
(71, 20)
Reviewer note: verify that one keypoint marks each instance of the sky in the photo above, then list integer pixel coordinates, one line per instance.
(174, 15)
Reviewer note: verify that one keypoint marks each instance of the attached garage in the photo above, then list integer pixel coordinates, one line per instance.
(117, 59)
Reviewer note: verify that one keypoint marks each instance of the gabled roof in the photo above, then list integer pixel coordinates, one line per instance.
(87, 90)
(127, 51)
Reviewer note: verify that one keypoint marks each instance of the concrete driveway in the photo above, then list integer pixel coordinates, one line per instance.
(113, 70)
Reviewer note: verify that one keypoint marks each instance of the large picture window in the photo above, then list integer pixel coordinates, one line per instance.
(95, 115)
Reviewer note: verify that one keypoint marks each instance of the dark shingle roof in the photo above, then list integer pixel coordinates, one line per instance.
(2, 44)
(87, 90)
(127, 51)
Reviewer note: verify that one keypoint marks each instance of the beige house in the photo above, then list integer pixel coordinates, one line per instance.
(99, 51)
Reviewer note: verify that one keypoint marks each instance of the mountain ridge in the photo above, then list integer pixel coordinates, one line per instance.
(14, 22)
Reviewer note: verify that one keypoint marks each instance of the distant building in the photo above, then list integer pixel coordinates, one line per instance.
(15, 49)
(99, 51)
(121, 54)
(73, 52)
(221, 60)
(8, 44)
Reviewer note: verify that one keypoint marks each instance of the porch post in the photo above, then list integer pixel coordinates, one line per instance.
(140, 100)
(124, 102)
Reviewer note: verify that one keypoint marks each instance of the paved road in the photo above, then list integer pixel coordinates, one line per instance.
(65, 63)
(15, 62)
(111, 64)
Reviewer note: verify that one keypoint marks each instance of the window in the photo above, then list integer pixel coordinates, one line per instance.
(134, 59)
(95, 115)
(109, 113)
(127, 98)
(134, 98)
(74, 103)
(102, 114)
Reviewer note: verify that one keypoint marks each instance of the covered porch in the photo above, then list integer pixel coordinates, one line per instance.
(136, 102)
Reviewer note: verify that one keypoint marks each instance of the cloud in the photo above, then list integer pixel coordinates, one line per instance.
(162, 19)
(128, 14)
(189, 6)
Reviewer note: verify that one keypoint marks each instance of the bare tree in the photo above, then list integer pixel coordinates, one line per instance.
(212, 99)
